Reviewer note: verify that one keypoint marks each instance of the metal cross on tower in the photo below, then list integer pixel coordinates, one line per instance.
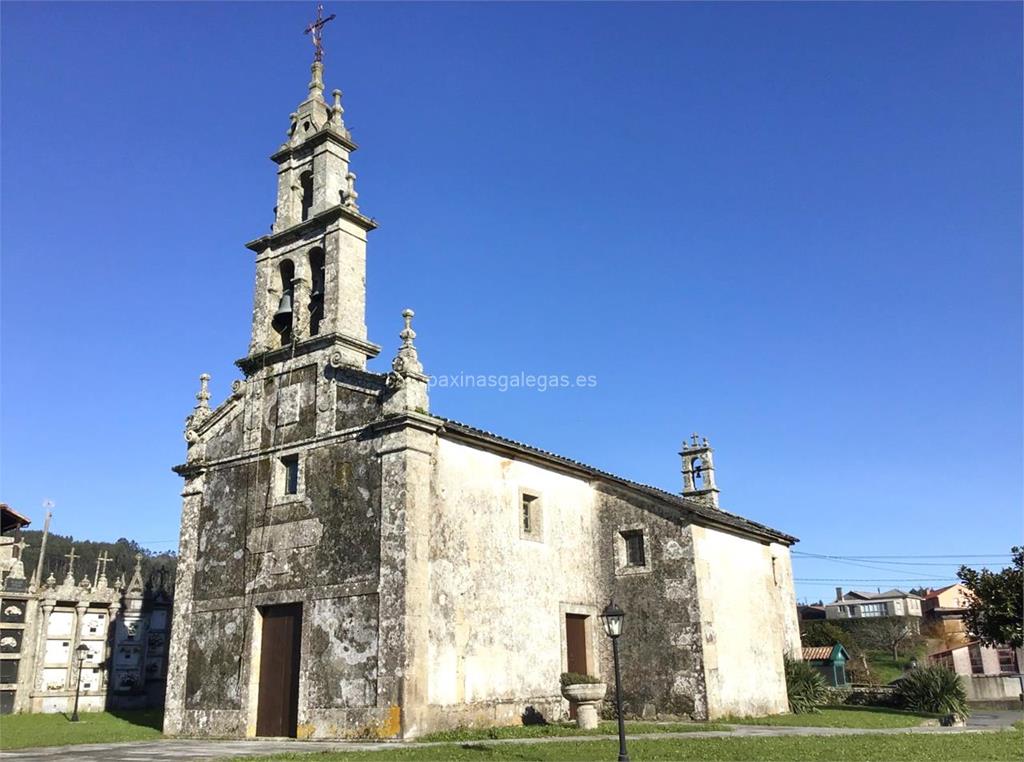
(315, 29)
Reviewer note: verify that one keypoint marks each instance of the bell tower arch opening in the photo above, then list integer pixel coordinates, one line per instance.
(317, 271)
(306, 188)
(283, 321)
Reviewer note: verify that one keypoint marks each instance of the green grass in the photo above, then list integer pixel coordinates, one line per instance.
(22, 731)
(841, 717)
(885, 669)
(565, 729)
(1005, 745)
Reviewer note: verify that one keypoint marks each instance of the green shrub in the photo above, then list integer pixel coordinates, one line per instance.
(575, 678)
(935, 689)
(805, 687)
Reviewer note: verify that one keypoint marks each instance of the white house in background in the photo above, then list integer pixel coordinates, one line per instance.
(860, 605)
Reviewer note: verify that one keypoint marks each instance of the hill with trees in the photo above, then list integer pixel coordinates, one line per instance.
(158, 568)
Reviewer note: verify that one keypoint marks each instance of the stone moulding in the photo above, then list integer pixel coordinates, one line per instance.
(253, 363)
(323, 136)
(315, 223)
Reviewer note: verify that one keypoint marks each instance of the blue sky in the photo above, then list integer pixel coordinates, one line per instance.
(793, 228)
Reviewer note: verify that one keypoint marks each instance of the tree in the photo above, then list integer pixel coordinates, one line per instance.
(824, 632)
(890, 632)
(996, 609)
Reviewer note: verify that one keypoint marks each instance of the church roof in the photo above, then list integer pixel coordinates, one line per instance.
(703, 514)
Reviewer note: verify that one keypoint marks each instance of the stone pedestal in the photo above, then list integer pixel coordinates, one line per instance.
(586, 696)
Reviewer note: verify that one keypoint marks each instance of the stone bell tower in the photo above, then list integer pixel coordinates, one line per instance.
(311, 269)
(699, 471)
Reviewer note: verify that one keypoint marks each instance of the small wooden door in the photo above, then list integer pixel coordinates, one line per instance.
(576, 649)
(277, 711)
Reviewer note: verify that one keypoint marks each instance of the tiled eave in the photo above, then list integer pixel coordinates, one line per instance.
(697, 512)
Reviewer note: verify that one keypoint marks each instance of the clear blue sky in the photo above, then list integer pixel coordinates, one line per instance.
(794, 228)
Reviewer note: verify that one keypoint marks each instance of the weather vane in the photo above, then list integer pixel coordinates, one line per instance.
(315, 29)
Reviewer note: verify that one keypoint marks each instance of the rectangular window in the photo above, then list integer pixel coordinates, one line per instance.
(527, 513)
(977, 666)
(531, 522)
(291, 474)
(872, 609)
(634, 548)
(1007, 660)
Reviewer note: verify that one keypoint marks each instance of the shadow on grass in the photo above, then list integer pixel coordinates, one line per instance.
(145, 718)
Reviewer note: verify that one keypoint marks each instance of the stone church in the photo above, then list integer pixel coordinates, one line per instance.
(353, 564)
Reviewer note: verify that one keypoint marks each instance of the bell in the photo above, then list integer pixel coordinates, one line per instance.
(283, 317)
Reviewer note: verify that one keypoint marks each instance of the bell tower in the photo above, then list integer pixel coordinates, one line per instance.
(699, 471)
(310, 289)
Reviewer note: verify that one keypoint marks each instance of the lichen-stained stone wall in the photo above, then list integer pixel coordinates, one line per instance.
(342, 650)
(248, 543)
(214, 666)
(660, 649)
(746, 623)
(220, 558)
(498, 599)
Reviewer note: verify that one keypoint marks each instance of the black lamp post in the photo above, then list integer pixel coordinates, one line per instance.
(80, 653)
(611, 618)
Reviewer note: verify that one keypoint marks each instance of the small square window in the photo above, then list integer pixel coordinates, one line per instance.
(290, 474)
(634, 548)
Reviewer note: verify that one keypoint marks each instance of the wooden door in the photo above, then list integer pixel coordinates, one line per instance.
(277, 712)
(576, 649)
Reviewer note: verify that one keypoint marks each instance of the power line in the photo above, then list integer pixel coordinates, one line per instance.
(871, 579)
(859, 557)
(842, 560)
(957, 562)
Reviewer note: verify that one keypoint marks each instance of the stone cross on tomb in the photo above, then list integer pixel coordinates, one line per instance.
(71, 564)
(101, 568)
(315, 30)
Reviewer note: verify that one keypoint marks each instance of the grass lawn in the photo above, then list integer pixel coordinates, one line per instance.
(841, 717)
(21, 731)
(1005, 745)
(886, 669)
(566, 729)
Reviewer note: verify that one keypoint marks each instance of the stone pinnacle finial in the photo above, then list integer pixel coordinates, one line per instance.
(336, 110)
(203, 395)
(316, 84)
(407, 334)
(407, 360)
(136, 585)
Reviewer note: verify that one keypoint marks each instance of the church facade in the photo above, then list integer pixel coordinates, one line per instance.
(353, 564)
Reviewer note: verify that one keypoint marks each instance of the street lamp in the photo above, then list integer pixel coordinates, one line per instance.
(611, 618)
(82, 653)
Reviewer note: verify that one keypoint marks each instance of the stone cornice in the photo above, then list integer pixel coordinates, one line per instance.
(252, 363)
(323, 136)
(322, 219)
(422, 422)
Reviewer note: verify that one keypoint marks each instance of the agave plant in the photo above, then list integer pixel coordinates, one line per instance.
(934, 689)
(805, 687)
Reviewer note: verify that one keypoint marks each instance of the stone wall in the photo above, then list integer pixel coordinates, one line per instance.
(745, 605)
(498, 599)
(247, 543)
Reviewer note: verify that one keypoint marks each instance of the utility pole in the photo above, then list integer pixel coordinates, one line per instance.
(38, 575)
